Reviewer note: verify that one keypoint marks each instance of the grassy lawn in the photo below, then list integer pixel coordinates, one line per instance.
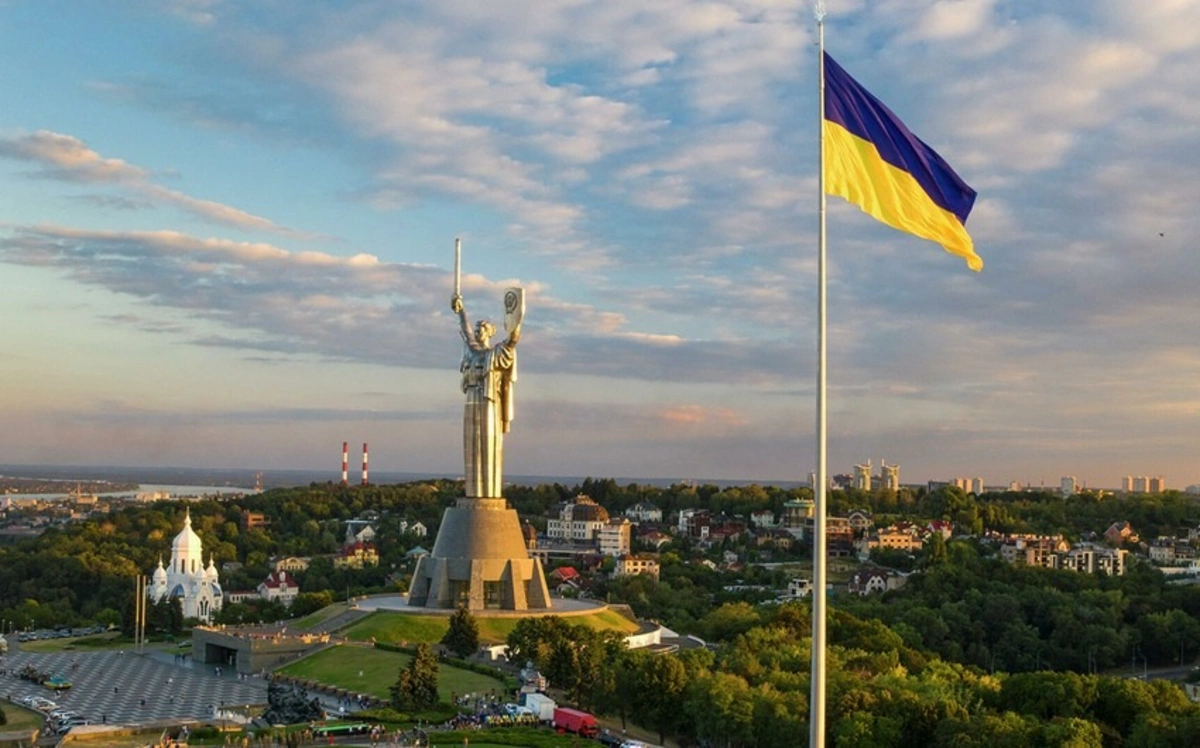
(20, 719)
(80, 644)
(397, 628)
(340, 666)
(322, 615)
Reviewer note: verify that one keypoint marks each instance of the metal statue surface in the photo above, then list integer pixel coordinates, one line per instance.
(488, 374)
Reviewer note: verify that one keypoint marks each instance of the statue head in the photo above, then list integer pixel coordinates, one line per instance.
(484, 330)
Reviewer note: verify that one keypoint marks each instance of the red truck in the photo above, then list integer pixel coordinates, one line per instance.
(573, 720)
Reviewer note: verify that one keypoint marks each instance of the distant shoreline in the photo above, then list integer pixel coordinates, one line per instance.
(243, 478)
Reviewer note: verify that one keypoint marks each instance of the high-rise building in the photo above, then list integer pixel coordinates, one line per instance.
(889, 476)
(862, 476)
(968, 485)
(1068, 485)
(1143, 484)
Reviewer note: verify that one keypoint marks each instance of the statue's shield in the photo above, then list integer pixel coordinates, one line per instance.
(514, 308)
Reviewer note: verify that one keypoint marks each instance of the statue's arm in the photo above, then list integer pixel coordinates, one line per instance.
(513, 337)
(464, 325)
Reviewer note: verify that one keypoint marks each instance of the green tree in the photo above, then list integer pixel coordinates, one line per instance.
(660, 683)
(310, 602)
(462, 638)
(416, 687)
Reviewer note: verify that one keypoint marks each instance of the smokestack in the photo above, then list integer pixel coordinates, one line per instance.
(345, 463)
(364, 463)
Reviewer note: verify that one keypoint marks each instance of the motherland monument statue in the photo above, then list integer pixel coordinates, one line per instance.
(479, 560)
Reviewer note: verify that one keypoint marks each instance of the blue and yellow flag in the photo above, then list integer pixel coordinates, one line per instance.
(872, 160)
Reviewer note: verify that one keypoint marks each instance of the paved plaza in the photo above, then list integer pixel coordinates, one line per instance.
(127, 688)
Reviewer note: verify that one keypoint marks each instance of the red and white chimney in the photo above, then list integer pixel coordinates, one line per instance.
(345, 463)
(364, 463)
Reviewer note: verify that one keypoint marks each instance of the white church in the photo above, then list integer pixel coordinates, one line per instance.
(187, 577)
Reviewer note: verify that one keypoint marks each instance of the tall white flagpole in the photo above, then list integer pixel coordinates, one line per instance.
(816, 720)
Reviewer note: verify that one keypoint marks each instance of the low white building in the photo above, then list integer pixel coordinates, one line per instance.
(417, 528)
(799, 588)
(764, 518)
(644, 511)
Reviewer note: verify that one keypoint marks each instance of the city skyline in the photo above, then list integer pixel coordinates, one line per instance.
(227, 237)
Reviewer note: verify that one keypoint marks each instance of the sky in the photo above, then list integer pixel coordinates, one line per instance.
(227, 231)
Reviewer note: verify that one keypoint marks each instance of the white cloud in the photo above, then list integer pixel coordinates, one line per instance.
(69, 158)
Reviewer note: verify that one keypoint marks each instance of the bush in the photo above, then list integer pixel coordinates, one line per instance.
(3, 717)
(436, 715)
(528, 737)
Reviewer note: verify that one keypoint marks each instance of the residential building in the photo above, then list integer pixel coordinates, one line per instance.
(799, 588)
(941, 527)
(1032, 550)
(1119, 533)
(839, 536)
(417, 528)
(1067, 485)
(656, 538)
(796, 512)
(644, 511)
(889, 476)
(577, 521)
(614, 537)
(564, 575)
(871, 581)
(862, 476)
(631, 565)
(1144, 484)
(291, 564)
(1089, 558)
(1162, 551)
(356, 556)
(689, 519)
(861, 521)
(775, 537)
(254, 520)
(280, 586)
(359, 531)
(762, 518)
(968, 485)
(895, 538)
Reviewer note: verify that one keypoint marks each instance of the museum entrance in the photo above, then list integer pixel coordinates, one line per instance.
(493, 595)
(223, 657)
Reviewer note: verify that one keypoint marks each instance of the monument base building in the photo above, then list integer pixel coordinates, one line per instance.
(479, 562)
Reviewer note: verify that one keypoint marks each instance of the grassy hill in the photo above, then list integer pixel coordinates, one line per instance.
(401, 628)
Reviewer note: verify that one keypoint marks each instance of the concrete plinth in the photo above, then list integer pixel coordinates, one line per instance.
(480, 562)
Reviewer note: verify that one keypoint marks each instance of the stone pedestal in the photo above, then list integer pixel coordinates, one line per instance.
(480, 562)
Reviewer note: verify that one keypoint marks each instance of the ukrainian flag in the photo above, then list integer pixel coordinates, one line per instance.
(872, 160)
